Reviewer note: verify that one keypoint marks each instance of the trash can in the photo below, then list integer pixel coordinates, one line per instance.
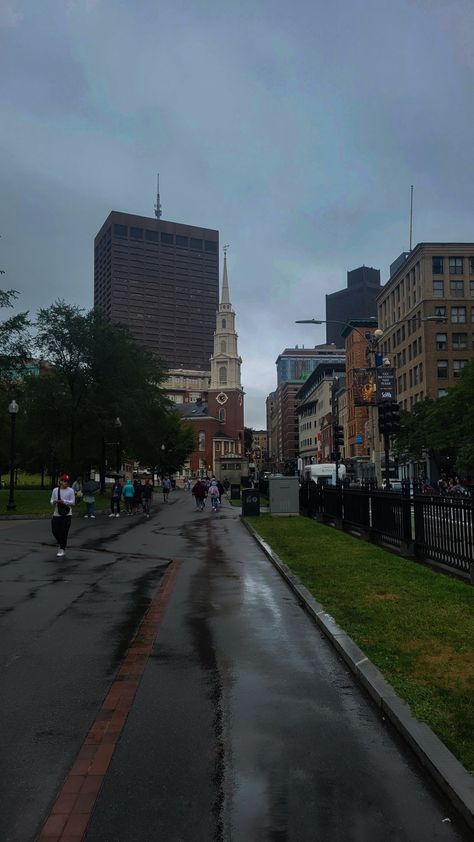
(235, 491)
(250, 502)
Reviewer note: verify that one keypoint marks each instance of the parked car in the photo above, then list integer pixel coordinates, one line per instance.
(395, 485)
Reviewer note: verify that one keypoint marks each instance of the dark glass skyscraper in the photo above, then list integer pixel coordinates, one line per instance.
(161, 279)
(356, 302)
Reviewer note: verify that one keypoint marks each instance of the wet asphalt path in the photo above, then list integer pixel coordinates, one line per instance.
(64, 627)
(246, 725)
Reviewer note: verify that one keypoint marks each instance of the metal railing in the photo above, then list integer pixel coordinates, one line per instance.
(427, 526)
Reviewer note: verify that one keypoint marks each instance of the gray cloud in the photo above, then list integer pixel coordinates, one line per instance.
(296, 131)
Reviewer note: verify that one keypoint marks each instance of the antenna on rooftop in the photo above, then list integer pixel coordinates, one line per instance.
(158, 202)
(411, 216)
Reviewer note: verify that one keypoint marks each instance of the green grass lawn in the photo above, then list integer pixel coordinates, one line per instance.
(416, 625)
(37, 502)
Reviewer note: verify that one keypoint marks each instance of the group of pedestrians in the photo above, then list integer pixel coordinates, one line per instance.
(137, 494)
(211, 488)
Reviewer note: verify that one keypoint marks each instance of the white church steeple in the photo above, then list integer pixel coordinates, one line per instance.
(225, 361)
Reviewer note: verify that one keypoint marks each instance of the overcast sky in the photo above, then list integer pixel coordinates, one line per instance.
(295, 129)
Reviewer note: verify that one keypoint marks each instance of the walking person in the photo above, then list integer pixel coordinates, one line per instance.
(115, 498)
(128, 494)
(147, 496)
(62, 498)
(137, 495)
(199, 491)
(214, 495)
(166, 487)
(78, 490)
(90, 488)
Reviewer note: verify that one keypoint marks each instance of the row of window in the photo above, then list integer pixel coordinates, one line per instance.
(443, 368)
(455, 265)
(459, 341)
(456, 288)
(195, 243)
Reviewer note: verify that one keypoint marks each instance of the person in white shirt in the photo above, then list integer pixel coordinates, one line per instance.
(62, 499)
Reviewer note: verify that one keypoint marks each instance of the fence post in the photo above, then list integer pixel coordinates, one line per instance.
(407, 546)
(471, 567)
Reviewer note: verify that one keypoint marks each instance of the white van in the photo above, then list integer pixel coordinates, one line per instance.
(324, 471)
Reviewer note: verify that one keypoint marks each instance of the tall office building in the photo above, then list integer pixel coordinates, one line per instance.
(161, 279)
(358, 301)
(294, 365)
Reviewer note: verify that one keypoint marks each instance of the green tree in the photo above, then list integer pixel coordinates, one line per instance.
(14, 339)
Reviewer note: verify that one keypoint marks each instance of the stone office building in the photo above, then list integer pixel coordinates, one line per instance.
(426, 310)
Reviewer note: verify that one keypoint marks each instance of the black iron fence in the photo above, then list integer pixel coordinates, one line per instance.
(427, 526)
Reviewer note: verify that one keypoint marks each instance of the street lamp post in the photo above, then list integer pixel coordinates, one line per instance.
(13, 410)
(162, 448)
(118, 427)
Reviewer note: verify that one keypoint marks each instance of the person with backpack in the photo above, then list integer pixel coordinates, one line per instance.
(214, 495)
(128, 492)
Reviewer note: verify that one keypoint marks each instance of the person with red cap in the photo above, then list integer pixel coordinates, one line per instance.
(62, 499)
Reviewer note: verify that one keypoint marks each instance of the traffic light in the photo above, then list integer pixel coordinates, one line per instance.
(389, 418)
(395, 418)
(338, 434)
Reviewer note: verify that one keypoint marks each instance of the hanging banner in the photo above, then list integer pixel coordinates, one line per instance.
(365, 387)
(386, 385)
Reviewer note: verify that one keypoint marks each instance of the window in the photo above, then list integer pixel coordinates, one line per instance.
(210, 245)
(471, 265)
(182, 241)
(438, 289)
(223, 374)
(166, 238)
(458, 366)
(221, 414)
(152, 236)
(440, 312)
(202, 440)
(456, 265)
(459, 341)
(136, 233)
(457, 289)
(471, 288)
(223, 347)
(223, 323)
(442, 367)
(442, 393)
(121, 230)
(437, 265)
(458, 315)
(196, 244)
(441, 341)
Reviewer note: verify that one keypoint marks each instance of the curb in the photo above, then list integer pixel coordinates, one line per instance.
(449, 774)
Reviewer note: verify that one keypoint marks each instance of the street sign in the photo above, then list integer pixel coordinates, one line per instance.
(386, 385)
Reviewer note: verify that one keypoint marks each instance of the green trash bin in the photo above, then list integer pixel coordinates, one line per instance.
(250, 502)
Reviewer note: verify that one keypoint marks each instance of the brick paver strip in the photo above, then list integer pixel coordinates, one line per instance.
(72, 809)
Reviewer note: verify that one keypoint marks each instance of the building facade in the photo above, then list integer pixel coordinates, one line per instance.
(294, 366)
(161, 280)
(426, 311)
(315, 412)
(358, 301)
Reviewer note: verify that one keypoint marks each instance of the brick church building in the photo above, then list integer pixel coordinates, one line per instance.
(217, 418)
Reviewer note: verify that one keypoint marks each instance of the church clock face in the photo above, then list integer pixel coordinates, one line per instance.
(221, 398)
